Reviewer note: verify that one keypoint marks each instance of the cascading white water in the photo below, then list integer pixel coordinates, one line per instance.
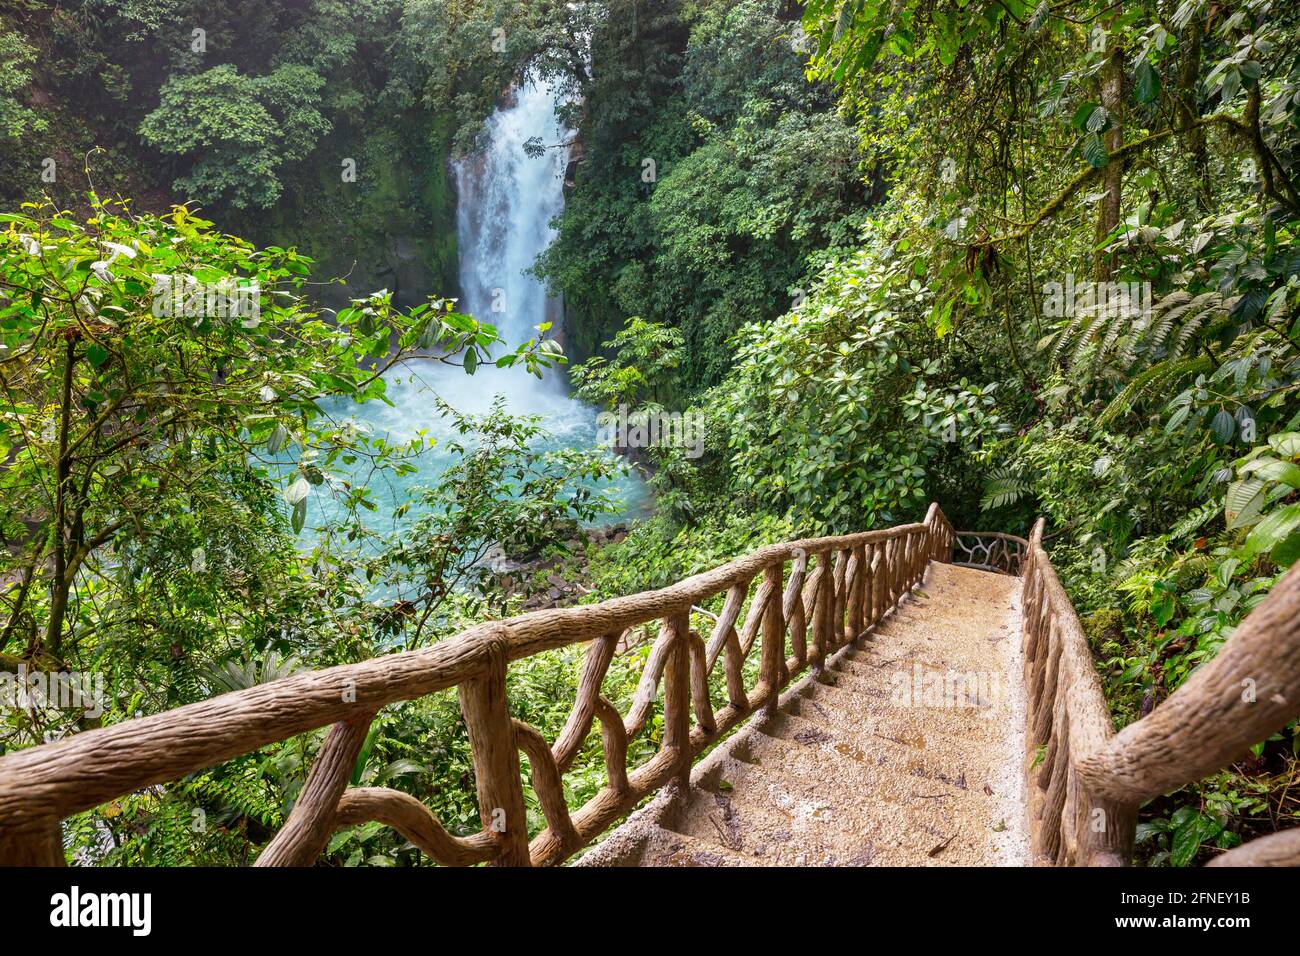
(506, 201)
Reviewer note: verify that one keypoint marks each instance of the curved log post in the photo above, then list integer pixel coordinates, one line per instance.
(772, 665)
(595, 664)
(1040, 725)
(817, 596)
(757, 610)
(677, 699)
(735, 667)
(413, 820)
(647, 689)
(613, 739)
(857, 577)
(792, 609)
(891, 572)
(496, 757)
(303, 837)
(725, 628)
(38, 843)
(879, 580)
(548, 784)
(700, 686)
(841, 603)
(868, 586)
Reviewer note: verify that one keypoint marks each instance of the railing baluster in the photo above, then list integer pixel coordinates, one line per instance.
(841, 599)
(792, 607)
(772, 665)
(647, 689)
(823, 609)
(700, 686)
(39, 843)
(496, 756)
(677, 698)
(548, 784)
(304, 835)
(857, 587)
(595, 663)
(613, 739)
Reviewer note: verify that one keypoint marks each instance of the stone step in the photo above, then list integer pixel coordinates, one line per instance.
(670, 848)
(766, 815)
(903, 730)
(778, 813)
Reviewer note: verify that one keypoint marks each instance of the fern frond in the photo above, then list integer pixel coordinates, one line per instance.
(1004, 487)
(1194, 520)
(1147, 382)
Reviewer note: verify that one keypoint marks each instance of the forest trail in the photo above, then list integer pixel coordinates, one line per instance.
(908, 749)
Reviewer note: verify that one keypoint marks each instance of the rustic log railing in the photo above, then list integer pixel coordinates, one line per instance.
(809, 598)
(989, 551)
(802, 601)
(1087, 782)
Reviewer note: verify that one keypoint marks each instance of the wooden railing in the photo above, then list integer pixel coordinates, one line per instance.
(802, 600)
(1087, 782)
(989, 551)
(808, 598)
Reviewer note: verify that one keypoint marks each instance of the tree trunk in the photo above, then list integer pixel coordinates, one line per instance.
(1112, 100)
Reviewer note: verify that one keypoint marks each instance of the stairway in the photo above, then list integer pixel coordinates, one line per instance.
(908, 749)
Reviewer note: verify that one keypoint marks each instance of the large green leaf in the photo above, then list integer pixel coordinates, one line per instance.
(1094, 152)
(1286, 444)
(1273, 469)
(1147, 86)
(1243, 501)
(1273, 530)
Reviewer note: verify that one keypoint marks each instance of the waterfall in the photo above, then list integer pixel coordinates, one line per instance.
(506, 200)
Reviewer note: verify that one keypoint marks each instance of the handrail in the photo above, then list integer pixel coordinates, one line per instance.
(1088, 781)
(990, 551)
(1067, 716)
(838, 587)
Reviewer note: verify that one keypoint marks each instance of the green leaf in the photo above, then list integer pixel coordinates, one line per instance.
(1243, 501)
(1094, 152)
(1186, 842)
(277, 439)
(1147, 86)
(1080, 119)
(297, 491)
(97, 355)
(1273, 530)
(1223, 426)
(1162, 608)
(1273, 469)
(1286, 444)
(1097, 120)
